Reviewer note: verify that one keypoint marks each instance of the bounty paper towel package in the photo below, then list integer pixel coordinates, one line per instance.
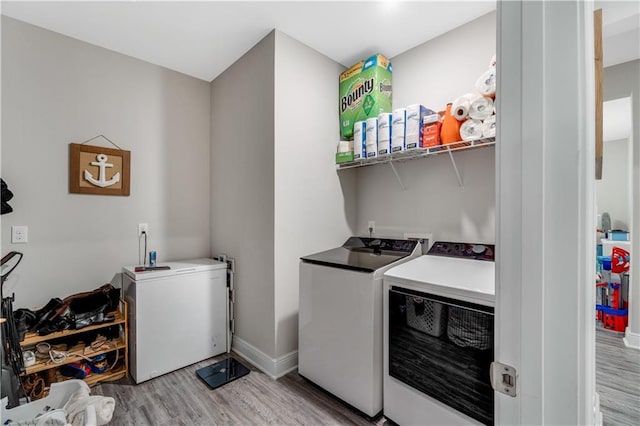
(413, 132)
(384, 133)
(364, 92)
(360, 140)
(372, 137)
(398, 129)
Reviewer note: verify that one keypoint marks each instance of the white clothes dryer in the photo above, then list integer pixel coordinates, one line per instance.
(438, 337)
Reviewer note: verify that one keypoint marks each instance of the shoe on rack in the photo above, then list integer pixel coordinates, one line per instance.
(45, 313)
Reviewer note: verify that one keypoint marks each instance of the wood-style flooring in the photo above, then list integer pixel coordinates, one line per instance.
(180, 398)
(617, 380)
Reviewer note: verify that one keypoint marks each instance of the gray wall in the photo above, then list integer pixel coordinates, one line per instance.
(275, 193)
(314, 205)
(57, 90)
(612, 191)
(433, 74)
(621, 81)
(242, 187)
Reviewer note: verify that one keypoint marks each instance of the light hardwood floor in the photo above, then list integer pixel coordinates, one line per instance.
(180, 398)
(617, 380)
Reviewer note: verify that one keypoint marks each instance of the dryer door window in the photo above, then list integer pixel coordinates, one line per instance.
(443, 348)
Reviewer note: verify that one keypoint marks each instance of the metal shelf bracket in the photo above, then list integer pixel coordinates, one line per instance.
(395, 172)
(455, 169)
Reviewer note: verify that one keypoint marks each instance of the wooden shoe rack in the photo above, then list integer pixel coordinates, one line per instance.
(45, 371)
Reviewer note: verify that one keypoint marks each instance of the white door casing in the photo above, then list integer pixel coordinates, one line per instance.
(545, 210)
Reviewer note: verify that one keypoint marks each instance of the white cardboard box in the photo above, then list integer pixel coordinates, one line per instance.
(413, 133)
(359, 140)
(384, 133)
(372, 137)
(398, 130)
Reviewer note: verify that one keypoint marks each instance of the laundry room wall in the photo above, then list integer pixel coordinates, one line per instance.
(434, 74)
(314, 206)
(242, 188)
(57, 90)
(612, 191)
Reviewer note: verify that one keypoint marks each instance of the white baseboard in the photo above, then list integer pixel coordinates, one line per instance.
(272, 367)
(631, 340)
(597, 414)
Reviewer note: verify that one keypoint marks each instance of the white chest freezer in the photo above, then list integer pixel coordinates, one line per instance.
(177, 317)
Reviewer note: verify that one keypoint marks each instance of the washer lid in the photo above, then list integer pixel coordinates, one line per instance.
(469, 279)
(364, 254)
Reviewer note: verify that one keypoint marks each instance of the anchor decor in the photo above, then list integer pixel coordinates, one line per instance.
(102, 165)
(98, 170)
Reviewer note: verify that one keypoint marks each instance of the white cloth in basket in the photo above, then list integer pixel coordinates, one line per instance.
(76, 407)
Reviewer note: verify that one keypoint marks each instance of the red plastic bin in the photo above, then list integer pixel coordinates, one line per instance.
(613, 319)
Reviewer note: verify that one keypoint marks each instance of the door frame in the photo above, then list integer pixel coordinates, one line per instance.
(545, 211)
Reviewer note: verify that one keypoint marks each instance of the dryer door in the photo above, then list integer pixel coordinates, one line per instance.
(442, 348)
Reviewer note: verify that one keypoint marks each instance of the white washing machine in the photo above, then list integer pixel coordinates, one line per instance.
(438, 337)
(340, 319)
(177, 316)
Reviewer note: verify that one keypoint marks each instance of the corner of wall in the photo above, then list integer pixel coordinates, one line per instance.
(242, 188)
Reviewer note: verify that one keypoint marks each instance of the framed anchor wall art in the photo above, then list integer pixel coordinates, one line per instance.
(98, 170)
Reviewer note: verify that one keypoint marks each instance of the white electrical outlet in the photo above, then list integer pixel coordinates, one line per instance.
(372, 226)
(143, 227)
(19, 234)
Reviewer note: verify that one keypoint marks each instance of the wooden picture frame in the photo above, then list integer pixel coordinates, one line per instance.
(98, 170)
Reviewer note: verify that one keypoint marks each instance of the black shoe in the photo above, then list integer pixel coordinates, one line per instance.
(44, 314)
(22, 318)
(56, 324)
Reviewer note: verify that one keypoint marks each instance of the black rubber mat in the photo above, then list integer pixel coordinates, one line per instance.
(221, 373)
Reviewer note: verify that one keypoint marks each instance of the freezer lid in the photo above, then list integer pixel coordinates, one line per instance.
(176, 268)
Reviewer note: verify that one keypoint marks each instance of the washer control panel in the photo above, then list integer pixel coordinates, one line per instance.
(464, 250)
(379, 244)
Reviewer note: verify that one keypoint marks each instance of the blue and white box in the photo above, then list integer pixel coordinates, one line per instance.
(372, 137)
(413, 132)
(398, 129)
(360, 140)
(384, 133)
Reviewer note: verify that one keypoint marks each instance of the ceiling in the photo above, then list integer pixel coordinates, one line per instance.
(202, 39)
(620, 31)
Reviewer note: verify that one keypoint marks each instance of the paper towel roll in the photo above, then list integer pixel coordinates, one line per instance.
(486, 84)
(481, 108)
(489, 127)
(492, 63)
(460, 107)
(471, 129)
